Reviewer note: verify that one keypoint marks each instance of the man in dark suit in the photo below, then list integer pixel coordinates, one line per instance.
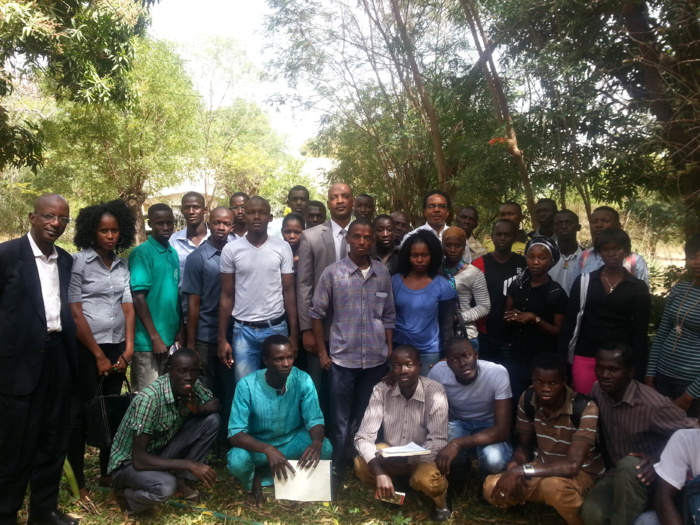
(37, 365)
(320, 247)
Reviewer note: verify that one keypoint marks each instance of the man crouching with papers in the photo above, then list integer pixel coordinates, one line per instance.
(413, 411)
(275, 418)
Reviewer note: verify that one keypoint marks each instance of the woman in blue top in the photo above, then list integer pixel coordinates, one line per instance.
(424, 300)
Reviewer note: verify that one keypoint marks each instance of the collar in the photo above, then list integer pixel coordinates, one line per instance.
(566, 408)
(38, 253)
(418, 395)
(353, 268)
(168, 390)
(91, 255)
(181, 235)
(427, 226)
(158, 246)
(209, 249)
(337, 227)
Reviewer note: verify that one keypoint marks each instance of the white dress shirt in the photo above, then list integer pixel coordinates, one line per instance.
(338, 238)
(50, 285)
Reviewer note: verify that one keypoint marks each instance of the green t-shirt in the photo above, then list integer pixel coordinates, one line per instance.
(156, 269)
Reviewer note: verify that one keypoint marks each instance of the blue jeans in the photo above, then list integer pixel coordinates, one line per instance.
(247, 346)
(428, 359)
(492, 458)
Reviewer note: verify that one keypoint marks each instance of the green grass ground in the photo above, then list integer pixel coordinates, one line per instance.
(356, 506)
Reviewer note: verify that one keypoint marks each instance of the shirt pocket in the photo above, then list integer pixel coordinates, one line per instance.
(378, 301)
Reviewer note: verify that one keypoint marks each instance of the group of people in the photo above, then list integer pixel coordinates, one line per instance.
(302, 339)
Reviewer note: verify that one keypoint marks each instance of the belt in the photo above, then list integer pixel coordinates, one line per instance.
(262, 324)
(50, 336)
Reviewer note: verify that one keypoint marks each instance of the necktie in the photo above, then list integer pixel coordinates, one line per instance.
(343, 244)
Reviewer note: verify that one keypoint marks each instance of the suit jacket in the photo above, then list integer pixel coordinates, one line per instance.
(316, 253)
(23, 320)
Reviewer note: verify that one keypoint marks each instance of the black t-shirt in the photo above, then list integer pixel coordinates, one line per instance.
(498, 277)
(544, 301)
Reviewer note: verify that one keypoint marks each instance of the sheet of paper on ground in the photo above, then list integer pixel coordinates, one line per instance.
(306, 484)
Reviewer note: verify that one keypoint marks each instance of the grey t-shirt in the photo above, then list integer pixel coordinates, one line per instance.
(474, 402)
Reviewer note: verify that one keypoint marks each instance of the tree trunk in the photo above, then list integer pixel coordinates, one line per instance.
(433, 124)
(134, 200)
(500, 102)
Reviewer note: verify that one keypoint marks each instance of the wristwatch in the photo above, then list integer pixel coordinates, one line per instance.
(537, 319)
(528, 471)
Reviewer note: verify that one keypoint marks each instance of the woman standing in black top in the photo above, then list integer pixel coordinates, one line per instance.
(615, 307)
(535, 308)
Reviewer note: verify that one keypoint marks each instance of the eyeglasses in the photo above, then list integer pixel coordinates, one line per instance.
(433, 206)
(50, 217)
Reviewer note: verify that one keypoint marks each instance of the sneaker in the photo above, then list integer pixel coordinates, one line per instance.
(441, 514)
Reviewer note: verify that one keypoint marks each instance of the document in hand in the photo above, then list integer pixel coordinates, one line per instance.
(306, 484)
(405, 450)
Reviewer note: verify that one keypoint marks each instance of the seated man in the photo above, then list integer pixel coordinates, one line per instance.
(560, 426)
(414, 411)
(275, 417)
(478, 393)
(680, 457)
(158, 436)
(636, 423)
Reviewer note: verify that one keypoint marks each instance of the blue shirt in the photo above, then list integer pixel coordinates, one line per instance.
(202, 278)
(417, 320)
(268, 416)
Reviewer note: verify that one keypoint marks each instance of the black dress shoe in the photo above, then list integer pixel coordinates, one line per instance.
(52, 518)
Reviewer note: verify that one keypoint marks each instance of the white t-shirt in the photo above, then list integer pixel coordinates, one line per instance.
(682, 453)
(258, 271)
(474, 402)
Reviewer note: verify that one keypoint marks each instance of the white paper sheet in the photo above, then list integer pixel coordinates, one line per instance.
(306, 484)
(404, 450)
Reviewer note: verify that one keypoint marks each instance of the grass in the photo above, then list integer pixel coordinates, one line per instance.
(356, 506)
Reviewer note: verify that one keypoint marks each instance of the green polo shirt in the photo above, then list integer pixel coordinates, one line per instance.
(156, 412)
(156, 269)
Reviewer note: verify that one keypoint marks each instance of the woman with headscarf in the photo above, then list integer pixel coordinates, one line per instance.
(535, 309)
(467, 280)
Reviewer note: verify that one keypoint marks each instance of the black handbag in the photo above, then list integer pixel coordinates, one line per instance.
(460, 326)
(103, 414)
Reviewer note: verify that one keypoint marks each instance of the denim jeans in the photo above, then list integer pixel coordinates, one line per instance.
(247, 346)
(492, 458)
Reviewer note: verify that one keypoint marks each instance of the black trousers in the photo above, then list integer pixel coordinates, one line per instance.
(87, 388)
(33, 438)
(350, 391)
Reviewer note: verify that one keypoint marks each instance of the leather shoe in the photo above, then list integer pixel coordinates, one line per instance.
(441, 514)
(52, 518)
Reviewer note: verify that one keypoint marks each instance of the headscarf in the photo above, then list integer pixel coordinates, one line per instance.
(548, 243)
(455, 231)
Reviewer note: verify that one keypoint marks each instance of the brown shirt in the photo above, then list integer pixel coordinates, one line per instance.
(556, 432)
(642, 422)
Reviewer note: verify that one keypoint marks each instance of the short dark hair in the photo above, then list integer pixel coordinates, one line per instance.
(549, 201)
(476, 212)
(182, 352)
(549, 361)
(274, 340)
(401, 212)
(89, 220)
(513, 203)
(194, 194)
(315, 204)
(256, 198)
(612, 235)
(239, 194)
(294, 217)
(434, 247)
(692, 247)
(568, 212)
(437, 192)
(505, 221)
(159, 206)
(298, 187)
(366, 196)
(360, 222)
(456, 344)
(408, 349)
(615, 213)
(381, 217)
(626, 352)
